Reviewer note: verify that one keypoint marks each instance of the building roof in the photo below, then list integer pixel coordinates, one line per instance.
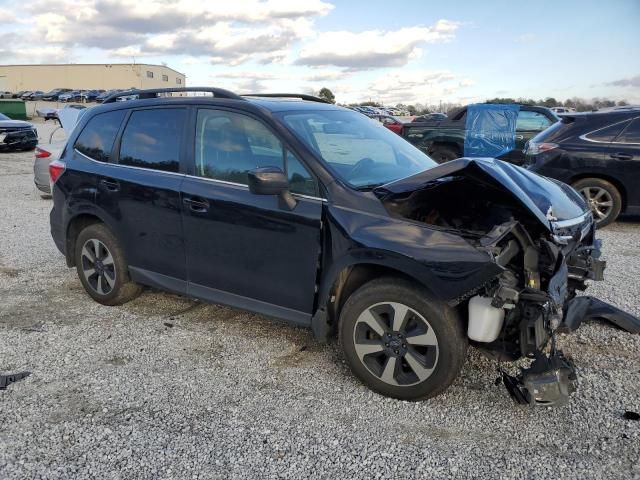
(91, 65)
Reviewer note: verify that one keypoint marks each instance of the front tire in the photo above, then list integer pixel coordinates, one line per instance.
(102, 267)
(398, 342)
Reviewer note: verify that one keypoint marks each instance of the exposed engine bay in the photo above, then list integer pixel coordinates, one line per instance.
(544, 262)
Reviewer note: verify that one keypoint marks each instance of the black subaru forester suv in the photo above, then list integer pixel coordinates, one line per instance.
(311, 213)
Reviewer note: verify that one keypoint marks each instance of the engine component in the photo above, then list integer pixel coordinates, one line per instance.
(533, 335)
(485, 321)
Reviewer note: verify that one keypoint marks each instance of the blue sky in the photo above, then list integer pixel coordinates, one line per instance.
(402, 51)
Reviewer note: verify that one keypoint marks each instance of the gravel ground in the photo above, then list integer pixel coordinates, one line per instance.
(167, 387)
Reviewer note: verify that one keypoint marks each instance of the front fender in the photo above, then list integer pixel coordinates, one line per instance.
(445, 264)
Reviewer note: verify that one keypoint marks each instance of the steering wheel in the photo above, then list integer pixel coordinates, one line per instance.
(360, 165)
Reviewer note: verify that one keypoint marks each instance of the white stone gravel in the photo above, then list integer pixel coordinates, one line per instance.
(117, 393)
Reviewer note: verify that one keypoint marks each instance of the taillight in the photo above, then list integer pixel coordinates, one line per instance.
(56, 168)
(534, 148)
(42, 153)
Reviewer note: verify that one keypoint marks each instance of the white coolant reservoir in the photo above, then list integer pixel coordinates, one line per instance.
(485, 321)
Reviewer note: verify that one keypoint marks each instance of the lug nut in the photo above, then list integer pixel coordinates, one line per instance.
(404, 346)
(396, 352)
(386, 344)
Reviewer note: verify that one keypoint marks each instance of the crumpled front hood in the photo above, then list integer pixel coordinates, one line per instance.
(14, 124)
(547, 199)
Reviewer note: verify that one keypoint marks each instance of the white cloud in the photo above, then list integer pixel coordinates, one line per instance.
(526, 38)
(373, 48)
(415, 86)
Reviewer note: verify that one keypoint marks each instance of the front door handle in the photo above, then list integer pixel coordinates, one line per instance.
(196, 204)
(110, 184)
(519, 137)
(621, 156)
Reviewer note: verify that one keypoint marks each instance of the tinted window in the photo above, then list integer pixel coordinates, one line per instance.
(631, 134)
(532, 121)
(300, 180)
(151, 139)
(608, 133)
(228, 145)
(96, 140)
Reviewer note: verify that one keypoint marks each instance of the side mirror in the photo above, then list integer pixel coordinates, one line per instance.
(271, 181)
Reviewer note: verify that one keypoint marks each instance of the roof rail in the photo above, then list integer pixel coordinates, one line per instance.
(301, 96)
(153, 93)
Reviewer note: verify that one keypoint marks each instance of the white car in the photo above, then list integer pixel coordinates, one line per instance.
(46, 153)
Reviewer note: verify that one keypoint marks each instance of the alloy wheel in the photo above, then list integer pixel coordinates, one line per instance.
(98, 267)
(396, 344)
(599, 200)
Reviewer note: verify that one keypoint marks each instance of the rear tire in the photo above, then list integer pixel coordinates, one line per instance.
(102, 267)
(602, 197)
(442, 154)
(398, 342)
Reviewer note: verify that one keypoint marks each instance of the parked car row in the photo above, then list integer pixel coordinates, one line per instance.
(369, 110)
(62, 95)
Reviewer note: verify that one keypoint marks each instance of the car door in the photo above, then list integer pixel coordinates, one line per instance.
(623, 162)
(140, 192)
(248, 250)
(528, 124)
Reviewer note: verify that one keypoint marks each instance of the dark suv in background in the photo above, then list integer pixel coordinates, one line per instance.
(314, 214)
(598, 153)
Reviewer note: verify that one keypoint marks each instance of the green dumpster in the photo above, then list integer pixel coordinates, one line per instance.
(14, 109)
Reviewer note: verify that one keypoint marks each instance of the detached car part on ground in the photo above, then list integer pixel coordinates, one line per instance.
(405, 261)
(17, 135)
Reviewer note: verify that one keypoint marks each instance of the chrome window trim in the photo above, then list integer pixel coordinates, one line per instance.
(215, 180)
(584, 135)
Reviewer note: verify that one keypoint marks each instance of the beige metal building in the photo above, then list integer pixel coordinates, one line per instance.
(105, 76)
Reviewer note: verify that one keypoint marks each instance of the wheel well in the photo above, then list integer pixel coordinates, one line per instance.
(351, 279)
(616, 183)
(76, 225)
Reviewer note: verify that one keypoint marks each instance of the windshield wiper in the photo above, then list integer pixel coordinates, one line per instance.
(369, 186)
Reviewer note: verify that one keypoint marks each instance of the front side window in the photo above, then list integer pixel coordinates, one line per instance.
(151, 139)
(531, 121)
(97, 137)
(361, 152)
(229, 144)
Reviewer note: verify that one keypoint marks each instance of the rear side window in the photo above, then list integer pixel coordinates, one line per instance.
(531, 121)
(151, 139)
(631, 134)
(606, 134)
(97, 137)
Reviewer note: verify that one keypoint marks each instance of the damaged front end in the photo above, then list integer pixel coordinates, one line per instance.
(542, 236)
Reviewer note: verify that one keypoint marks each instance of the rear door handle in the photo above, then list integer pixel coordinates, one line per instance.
(110, 184)
(621, 156)
(196, 204)
(519, 137)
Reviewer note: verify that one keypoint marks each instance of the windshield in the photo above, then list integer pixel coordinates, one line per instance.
(360, 151)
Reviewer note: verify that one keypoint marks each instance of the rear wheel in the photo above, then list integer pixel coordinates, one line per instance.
(603, 199)
(443, 154)
(102, 267)
(399, 343)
